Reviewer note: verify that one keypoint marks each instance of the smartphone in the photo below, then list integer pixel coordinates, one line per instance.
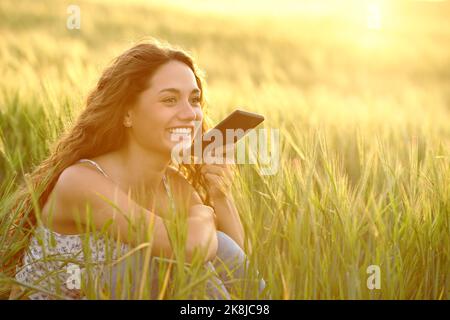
(238, 119)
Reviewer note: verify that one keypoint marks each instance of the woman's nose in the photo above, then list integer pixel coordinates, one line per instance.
(187, 112)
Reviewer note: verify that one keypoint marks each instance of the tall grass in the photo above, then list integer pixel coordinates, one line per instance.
(364, 119)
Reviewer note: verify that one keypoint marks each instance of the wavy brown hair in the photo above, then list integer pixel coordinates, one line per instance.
(99, 129)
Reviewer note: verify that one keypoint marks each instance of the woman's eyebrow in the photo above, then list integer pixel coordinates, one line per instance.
(178, 91)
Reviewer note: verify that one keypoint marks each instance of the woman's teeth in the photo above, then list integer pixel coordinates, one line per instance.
(181, 130)
(180, 134)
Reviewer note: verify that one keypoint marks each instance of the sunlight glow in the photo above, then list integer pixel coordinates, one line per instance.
(373, 16)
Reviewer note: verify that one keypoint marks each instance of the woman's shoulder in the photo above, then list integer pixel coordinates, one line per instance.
(69, 191)
(78, 182)
(79, 175)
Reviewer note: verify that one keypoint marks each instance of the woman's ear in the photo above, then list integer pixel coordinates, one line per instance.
(127, 119)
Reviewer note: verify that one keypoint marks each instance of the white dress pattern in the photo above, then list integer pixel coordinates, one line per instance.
(46, 266)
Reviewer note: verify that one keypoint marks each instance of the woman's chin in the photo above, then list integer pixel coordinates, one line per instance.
(177, 147)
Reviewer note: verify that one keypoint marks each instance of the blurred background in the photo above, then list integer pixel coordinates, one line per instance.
(373, 65)
(360, 91)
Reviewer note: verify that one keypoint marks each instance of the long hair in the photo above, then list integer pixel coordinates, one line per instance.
(99, 129)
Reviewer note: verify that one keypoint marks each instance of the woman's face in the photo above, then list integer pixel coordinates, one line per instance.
(166, 111)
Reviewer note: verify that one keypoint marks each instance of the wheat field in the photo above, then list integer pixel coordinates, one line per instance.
(363, 114)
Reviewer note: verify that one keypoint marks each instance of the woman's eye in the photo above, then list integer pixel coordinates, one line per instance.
(169, 100)
(196, 100)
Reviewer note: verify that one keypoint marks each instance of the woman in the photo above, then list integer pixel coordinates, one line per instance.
(117, 160)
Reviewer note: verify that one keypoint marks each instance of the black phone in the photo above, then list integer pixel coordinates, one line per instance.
(238, 119)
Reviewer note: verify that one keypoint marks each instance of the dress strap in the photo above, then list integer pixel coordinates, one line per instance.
(95, 164)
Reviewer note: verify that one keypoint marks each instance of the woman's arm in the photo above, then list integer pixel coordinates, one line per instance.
(78, 186)
(227, 218)
(226, 215)
(219, 180)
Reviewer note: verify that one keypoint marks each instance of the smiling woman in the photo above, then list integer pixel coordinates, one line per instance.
(116, 161)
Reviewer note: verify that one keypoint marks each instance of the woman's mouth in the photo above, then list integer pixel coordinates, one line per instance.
(178, 134)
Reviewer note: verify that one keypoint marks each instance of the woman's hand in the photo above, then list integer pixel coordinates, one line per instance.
(219, 178)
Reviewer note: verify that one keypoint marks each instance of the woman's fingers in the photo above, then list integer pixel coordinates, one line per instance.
(216, 183)
(212, 178)
(220, 170)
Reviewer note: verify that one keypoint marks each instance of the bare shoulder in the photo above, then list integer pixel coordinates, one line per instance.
(78, 184)
(80, 177)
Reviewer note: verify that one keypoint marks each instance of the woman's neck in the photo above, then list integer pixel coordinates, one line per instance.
(142, 169)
